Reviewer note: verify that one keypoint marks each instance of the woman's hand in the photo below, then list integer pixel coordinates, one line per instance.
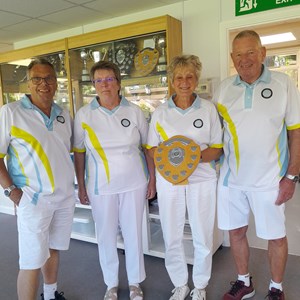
(83, 196)
(151, 189)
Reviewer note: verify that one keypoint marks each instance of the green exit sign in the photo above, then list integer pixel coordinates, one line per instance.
(243, 7)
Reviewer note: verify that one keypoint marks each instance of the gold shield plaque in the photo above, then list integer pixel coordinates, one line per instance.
(177, 158)
(145, 61)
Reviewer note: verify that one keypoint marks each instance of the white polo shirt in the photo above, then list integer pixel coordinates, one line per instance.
(112, 142)
(38, 149)
(200, 122)
(256, 118)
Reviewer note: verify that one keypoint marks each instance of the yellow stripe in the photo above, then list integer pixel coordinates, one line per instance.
(225, 115)
(21, 165)
(278, 154)
(218, 146)
(35, 144)
(161, 131)
(148, 146)
(297, 126)
(78, 150)
(96, 144)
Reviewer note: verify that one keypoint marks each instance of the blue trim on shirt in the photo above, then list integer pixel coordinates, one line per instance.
(248, 98)
(95, 105)
(55, 111)
(196, 104)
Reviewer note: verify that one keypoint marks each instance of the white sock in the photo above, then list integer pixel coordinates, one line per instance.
(245, 278)
(275, 285)
(49, 290)
(134, 284)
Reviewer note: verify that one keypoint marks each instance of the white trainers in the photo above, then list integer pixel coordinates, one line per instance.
(111, 294)
(198, 294)
(135, 293)
(180, 293)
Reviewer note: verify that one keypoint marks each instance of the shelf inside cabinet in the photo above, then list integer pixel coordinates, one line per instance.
(83, 227)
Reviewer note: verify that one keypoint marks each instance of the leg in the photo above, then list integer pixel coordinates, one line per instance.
(233, 215)
(172, 210)
(201, 204)
(105, 211)
(131, 210)
(50, 268)
(278, 252)
(272, 229)
(240, 249)
(28, 283)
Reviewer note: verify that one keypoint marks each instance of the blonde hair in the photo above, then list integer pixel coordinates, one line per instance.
(185, 61)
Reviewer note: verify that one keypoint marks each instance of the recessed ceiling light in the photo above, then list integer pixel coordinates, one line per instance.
(277, 38)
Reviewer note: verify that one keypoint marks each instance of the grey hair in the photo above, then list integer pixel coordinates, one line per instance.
(39, 61)
(248, 33)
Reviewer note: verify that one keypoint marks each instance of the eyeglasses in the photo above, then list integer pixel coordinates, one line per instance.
(38, 80)
(101, 80)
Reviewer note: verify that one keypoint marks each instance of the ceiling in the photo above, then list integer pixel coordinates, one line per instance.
(21, 20)
(26, 19)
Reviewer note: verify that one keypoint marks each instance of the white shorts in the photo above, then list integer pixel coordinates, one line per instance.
(234, 208)
(46, 225)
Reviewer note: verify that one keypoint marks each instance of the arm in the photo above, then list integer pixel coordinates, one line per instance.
(79, 160)
(6, 181)
(151, 152)
(286, 186)
(151, 190)
(210, 154)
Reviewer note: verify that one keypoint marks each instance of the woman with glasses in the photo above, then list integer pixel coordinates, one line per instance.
(114, 175)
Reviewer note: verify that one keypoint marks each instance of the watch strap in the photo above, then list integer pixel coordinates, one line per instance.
(8, 190)
(294, 178)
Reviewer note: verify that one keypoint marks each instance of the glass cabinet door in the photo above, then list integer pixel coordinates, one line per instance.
(14, 79)
(142, 61)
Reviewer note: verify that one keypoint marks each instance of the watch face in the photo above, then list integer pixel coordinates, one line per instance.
(7, 193)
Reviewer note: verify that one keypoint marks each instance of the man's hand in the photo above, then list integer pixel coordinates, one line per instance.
(286, 190)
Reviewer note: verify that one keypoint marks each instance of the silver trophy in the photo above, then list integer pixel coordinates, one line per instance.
(84, 73)
(62, 70)
(160, 43)
(95, 55)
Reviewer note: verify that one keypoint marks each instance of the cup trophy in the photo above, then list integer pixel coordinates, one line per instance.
(95, 55)
(84, 73)
(62, 70)
(160, 42)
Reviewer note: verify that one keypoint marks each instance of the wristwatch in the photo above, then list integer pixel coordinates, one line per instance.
(8, 190)
(294, 178)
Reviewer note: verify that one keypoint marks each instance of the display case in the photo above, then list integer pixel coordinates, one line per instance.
(142, 51)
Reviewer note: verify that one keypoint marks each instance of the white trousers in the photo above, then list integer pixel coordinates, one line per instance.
(200, 201)
(124, 210)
